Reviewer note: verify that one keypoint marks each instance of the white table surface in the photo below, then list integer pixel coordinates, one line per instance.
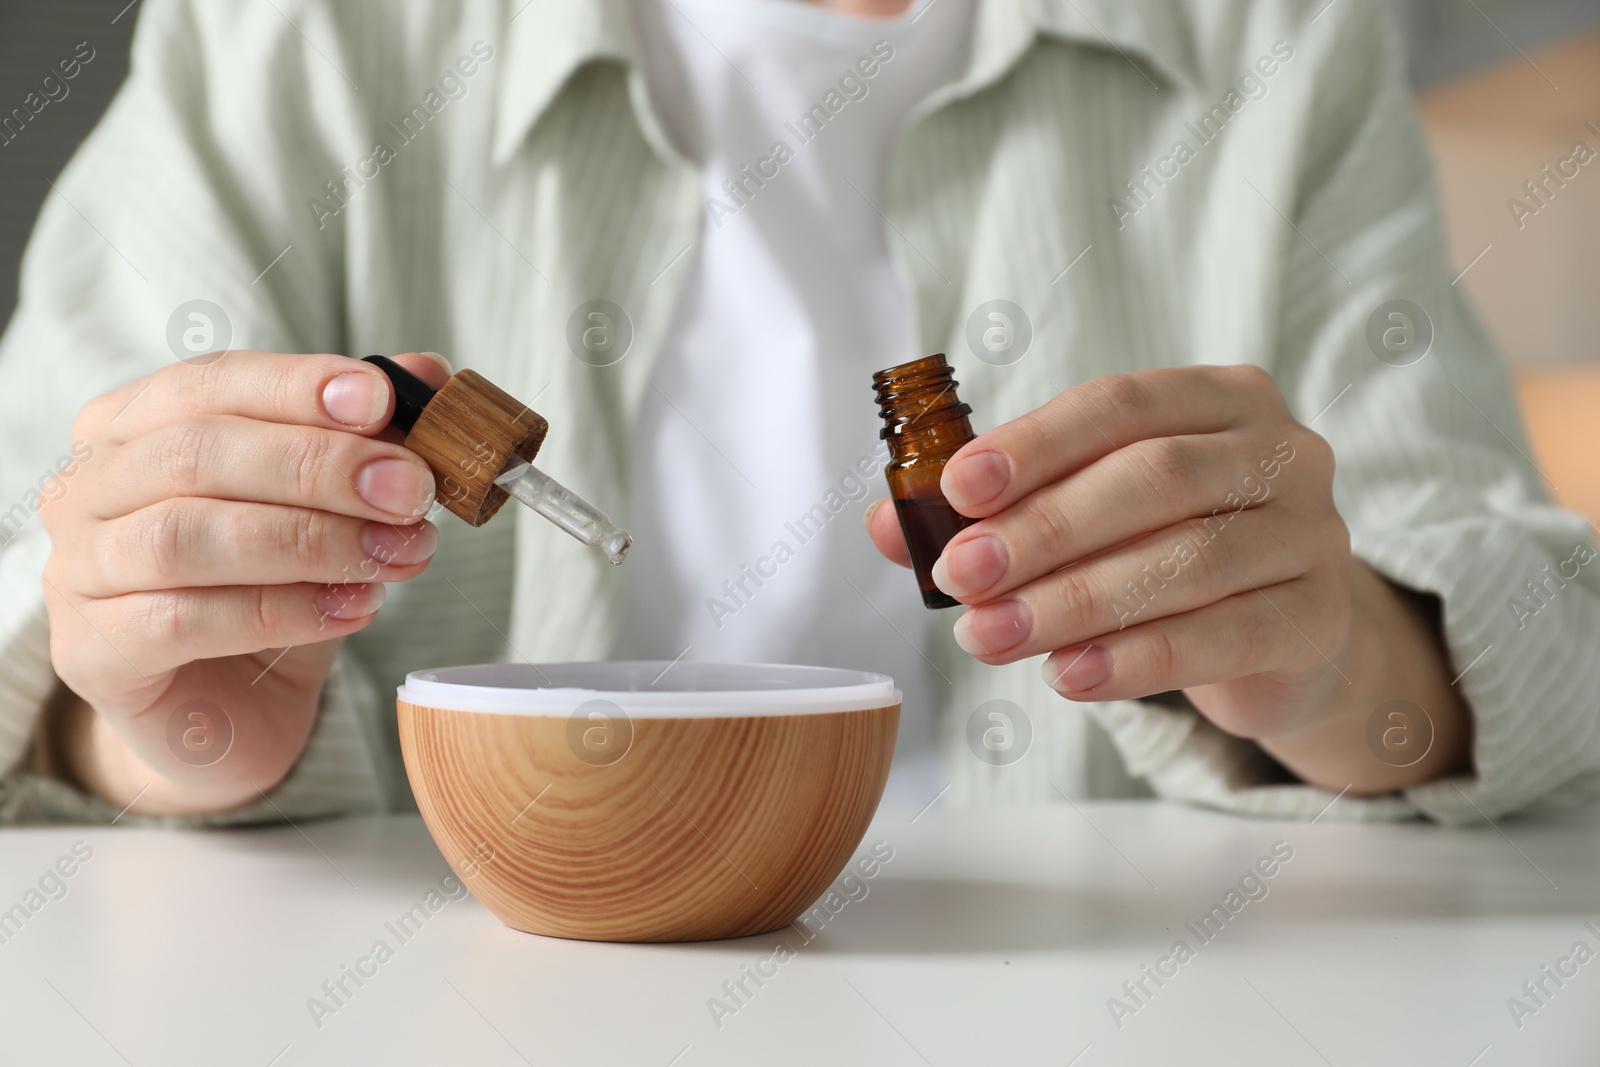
(994, 936)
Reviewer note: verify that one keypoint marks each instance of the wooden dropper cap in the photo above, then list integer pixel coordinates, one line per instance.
(466, 431)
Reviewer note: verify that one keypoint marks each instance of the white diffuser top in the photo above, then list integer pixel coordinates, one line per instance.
(650, 689)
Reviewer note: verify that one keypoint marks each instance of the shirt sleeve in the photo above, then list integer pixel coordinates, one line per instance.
(1434, 476)
(182, 193)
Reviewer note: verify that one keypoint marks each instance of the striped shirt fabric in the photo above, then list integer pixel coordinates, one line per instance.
(1144, 183)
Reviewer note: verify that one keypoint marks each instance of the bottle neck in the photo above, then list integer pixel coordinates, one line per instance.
(921, 412)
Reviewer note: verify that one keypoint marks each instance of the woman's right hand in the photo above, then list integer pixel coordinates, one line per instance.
(233, 524)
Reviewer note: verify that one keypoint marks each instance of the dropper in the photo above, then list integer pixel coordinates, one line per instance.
(563, 507)
(470, 428)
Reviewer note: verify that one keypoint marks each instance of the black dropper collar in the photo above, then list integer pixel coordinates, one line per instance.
(411, 394)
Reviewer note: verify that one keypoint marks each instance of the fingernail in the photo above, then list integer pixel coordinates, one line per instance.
(976, 479)
(399, 545)
(437, 358)
(970, 567)
(1077, 670)
(350, 601)
(397, 486)
(872, 509)
(356, 399)
(994, 628)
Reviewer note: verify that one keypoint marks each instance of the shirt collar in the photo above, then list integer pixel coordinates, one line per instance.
(546, 42)
(550, 40)
(1154, 33)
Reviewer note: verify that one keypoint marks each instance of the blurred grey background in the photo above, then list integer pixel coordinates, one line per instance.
(1447, 39)
(34, 34)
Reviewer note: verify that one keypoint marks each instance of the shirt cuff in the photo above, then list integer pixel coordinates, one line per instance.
(1519, 609)
(27, 678)
(1536, 739)
(1184, 757)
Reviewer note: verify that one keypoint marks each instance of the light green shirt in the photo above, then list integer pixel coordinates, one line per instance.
(1154, 182)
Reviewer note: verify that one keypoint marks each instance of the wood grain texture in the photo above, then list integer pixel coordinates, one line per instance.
(705, 828)
(466, 434)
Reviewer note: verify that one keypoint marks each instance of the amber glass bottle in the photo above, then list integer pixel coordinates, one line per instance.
(924, 423)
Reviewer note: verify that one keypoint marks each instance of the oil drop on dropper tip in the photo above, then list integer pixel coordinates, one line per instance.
(479, 441)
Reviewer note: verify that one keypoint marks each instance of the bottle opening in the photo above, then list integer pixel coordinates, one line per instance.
(918, 395)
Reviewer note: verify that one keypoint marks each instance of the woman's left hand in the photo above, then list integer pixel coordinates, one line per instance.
(1172, 529)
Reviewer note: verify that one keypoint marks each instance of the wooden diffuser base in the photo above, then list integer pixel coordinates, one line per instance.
(703, 827)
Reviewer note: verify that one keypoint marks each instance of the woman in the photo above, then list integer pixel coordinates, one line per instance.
(1185, 257)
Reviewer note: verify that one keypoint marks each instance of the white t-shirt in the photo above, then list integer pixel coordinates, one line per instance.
(758, 446)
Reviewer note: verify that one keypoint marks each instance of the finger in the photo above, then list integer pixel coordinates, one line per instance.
(1252, 633)
(1094, 419)
(149, 633)
(432, 368)
(1179, 569)
(232, 458)
(884, 528)
(1149, 485)
(191, 542)
(329, 391)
